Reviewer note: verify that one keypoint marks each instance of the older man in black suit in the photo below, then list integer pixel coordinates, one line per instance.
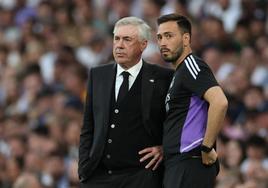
(121, 137)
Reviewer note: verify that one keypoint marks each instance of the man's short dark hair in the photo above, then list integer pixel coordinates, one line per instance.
(183, 22)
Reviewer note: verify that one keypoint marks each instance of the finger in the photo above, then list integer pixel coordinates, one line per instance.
(154, 160)
(205, 160)
(157, 163)
(209, 162)
(212, 161)
(149, 155)
(146, 150)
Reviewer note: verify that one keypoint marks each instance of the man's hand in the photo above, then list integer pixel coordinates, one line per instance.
(209, 158)
(155, 152)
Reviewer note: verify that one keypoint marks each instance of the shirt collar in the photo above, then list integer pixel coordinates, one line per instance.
(133, 71)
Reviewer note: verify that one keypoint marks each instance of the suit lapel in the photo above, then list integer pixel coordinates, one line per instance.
(106, 93)
(147, 87)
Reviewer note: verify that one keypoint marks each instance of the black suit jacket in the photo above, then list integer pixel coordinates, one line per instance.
(155, 83)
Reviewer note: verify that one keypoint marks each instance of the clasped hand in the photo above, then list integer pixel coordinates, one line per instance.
(209, 158)
(156, 155)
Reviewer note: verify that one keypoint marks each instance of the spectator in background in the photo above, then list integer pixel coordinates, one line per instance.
(212, 55)
(93, 52)
(117, 10)
(152, 10)
(71, 137)
(74, 80)
(31, 84)
(27, 180)
(255, 166)
(73, 108)
(13, 170)
(9, 88)
(72, 173)
(54, 170)
(235, 154)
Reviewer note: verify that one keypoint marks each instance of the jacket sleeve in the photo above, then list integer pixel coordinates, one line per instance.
(87, 130)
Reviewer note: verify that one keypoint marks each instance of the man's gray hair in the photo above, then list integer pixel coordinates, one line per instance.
(143, 28)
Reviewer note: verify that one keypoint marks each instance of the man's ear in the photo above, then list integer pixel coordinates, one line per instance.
(186, 39)
(143, 44)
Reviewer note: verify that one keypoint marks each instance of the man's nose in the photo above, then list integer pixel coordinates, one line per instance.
(162, 42)
(119, 43)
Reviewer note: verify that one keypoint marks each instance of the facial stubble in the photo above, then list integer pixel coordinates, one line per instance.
(174, 56)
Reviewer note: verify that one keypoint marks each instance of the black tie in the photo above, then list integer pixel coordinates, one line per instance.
(124, 87)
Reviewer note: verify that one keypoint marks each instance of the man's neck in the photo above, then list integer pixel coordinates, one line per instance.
(185, 53)
(127, 66)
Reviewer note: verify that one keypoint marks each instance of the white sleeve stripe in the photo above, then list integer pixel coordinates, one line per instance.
(189, 68)
(192, 66)
(196, 65)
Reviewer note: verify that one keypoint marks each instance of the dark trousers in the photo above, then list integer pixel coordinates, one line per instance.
(141, 178)
(189, 173)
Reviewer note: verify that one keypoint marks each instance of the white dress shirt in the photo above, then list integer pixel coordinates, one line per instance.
(133, 73)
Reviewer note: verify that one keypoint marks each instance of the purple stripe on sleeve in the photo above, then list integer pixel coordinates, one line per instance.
(195, 125)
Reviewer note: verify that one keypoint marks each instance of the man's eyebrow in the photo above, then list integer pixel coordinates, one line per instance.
(167, 32)
(128, 37)
(124, 36)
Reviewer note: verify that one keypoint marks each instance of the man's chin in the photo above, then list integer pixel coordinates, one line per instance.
(123, 64)
(120, 60)
(168, 60)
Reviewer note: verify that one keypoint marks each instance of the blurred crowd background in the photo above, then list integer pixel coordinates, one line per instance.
(48, 46)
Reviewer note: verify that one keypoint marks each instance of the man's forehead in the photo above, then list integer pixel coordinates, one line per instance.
(167, 27)
(126, 30)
